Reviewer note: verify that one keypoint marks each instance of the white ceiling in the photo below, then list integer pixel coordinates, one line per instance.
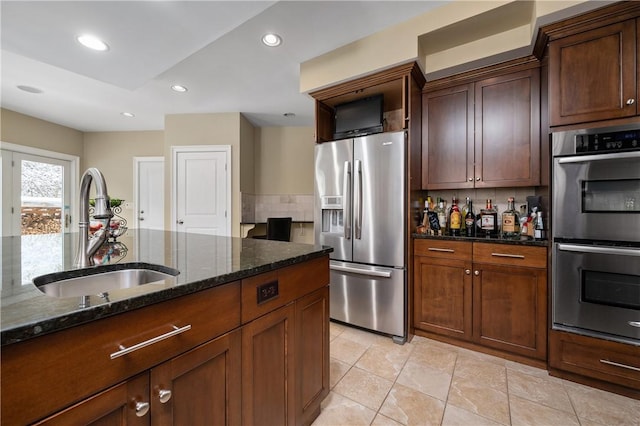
(212, 47)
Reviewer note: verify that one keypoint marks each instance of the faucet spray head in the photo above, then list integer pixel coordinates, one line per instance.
(102, 208)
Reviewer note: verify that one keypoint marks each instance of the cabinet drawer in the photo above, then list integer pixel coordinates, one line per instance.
(601, 359)
(73, 364)
(513, 255)
(266, 292)
(459, 250)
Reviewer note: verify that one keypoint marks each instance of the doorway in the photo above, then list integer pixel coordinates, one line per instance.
(37, 191)
(202, 189)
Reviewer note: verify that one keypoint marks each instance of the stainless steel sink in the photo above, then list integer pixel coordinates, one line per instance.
(102, 279)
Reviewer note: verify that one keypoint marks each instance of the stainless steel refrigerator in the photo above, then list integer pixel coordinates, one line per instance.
(360, 211)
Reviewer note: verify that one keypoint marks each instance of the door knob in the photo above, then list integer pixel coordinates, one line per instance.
(142, 218)
(180, 222)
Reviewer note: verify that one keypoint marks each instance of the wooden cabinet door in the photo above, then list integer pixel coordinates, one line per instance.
(510, 309)
(201, 386)
(115, 406)
(442, 302)
(507, 130)
(447, 138)
(312, 354)
(268, 371)
(592, 75)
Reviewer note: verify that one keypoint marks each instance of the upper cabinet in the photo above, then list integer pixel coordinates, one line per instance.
(401, 87)
(593, 65)
(484, 133)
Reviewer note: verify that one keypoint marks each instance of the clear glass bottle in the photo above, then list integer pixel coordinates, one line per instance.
(455, 219)
(442, 216)
(510, 221)
(469, 220)
(489, 220)
(539, 233)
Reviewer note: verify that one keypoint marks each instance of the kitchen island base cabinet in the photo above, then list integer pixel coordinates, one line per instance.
(487, 295)
(248, 352)
(201, 386)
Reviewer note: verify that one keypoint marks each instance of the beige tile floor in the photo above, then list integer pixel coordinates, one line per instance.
(376, 382)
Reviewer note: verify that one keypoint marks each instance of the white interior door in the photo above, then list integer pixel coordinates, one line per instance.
(202, 189)
(149, 192)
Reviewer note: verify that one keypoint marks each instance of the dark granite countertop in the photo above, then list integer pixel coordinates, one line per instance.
(203, 261)
(521, 242)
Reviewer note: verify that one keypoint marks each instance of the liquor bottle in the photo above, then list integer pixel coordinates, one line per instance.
(464, 211)
(442, 216)
(489, 220)
(455, 219)
(469, 220)
(510, 221)
(539, 232)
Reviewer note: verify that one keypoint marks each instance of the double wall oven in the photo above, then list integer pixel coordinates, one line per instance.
(596, 232)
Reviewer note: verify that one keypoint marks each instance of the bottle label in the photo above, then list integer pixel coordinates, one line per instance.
(456, 220)
(508, 222)
(487, 222)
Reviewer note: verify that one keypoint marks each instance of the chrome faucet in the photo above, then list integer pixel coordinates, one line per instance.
(87, 246)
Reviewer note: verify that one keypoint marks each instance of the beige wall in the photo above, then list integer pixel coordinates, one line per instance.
(460, 33)
(284, 160)
(247, 156)
(24, 130)
(112, 153)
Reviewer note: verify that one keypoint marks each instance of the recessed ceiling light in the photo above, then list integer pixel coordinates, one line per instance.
(289, 114)
(29, 89)
(128, 114)
(271, 40)
(178, 88)
(92, 42)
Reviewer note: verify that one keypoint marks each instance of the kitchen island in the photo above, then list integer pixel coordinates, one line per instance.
(240, 336)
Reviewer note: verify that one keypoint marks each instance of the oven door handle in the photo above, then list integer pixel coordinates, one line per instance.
(596, 157)
(599, 250)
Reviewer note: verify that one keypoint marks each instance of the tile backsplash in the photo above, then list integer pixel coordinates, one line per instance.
(257, 208)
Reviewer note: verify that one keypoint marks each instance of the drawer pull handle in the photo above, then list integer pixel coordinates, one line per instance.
(616, 364)
(634, 323)
(441, 250)
(141, 408)
(124, 350)
(513, 256)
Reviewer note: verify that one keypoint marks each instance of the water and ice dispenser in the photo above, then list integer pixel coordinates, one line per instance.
(332, 214)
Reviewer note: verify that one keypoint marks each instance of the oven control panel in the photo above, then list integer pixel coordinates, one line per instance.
(628, 140)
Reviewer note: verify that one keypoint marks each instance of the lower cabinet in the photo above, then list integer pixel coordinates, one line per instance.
(595, 361)
(201, 386)
(493, 295)
(254, 352)
(285, 369)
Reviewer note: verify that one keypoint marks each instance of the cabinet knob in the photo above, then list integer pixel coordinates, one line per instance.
(164, 395)
(476, 273)
(141, 408)
(470, 179)
(478, 179)
(467, 271)
(631, 101)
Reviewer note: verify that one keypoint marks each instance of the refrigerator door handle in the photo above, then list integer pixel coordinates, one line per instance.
(347, 196)
(358, 200)
(371, 272)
